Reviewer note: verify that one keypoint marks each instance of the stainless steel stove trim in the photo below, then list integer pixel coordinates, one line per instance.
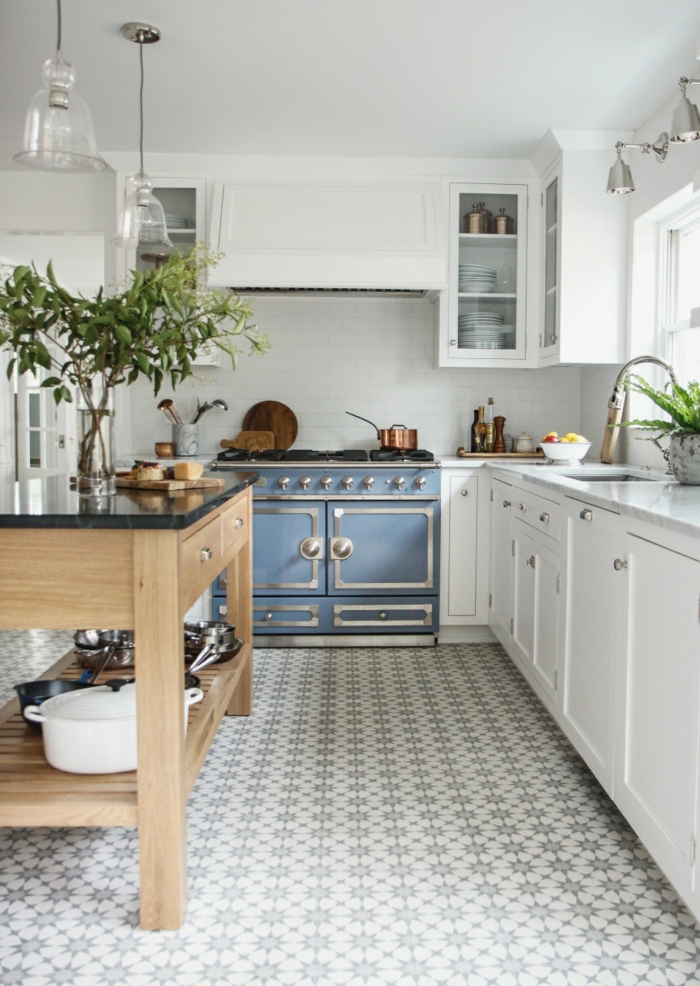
(336, 641)
(337, 562)
(341, 608)
(312, 610)
(218, 464)
(313, 513)
(327, 497)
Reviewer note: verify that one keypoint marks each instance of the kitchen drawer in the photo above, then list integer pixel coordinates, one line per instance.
(287, 616)
(537, 512)
(397, 616)
(200, 558)
(234, 525)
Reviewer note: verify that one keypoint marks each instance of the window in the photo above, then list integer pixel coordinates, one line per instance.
(681, 304)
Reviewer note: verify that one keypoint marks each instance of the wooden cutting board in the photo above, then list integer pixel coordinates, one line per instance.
(170, 484)
(275, 417)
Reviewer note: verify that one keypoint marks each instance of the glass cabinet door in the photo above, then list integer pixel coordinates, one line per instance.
(487, 273)
(551, 264)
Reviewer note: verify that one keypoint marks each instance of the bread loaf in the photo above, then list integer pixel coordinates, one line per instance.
(252, 441)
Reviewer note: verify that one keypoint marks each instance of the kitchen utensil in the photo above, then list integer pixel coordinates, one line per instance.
(567, 453)
(121, 657)
(165, 450)
(98, 734)
(171, 411)
(523, 443)
(397, 437)
(192, 681)
(499, 444)
(105, 656)
(208, 655)
(186, 439)
(199, 633)
(125, 638)
(88, 639)
(33, 693)
(202, 409)
(503, 224)
(275, 417)
(221, 404)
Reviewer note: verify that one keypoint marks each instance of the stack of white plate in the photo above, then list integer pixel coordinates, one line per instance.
(476, 279)
(482, 330)
(177, 222)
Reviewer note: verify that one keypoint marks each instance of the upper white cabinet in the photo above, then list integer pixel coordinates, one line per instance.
(330, 233)
(583, 284)
(485, 321)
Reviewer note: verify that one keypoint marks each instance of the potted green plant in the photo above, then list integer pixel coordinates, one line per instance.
(153, 327)
(682, 404)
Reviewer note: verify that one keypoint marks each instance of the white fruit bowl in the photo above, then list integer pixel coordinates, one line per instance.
(565, 452)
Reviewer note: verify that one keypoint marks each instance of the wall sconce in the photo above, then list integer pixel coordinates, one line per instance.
(620, 177)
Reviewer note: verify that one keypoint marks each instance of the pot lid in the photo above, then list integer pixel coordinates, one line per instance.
(102, 702)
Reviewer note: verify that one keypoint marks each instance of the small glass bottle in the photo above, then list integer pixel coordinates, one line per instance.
(474, 443)
(490, 430)
(480, 430)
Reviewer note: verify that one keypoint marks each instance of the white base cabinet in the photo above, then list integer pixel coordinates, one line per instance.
(657, 763)
(592, 633)
(501, 542)
(464, 547)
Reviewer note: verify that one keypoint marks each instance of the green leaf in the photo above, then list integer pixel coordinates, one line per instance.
(123, 334)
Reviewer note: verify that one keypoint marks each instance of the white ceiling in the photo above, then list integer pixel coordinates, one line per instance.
(427, 78)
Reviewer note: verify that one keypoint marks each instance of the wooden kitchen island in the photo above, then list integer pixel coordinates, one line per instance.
(131, 561)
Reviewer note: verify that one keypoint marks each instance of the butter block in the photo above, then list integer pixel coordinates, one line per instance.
(188, 470)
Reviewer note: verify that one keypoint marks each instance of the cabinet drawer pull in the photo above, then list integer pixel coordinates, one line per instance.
(522, 506)
(238, 522)
(586, 515)
(507, 503)
(544, 518)
(619, 564)
(267, 617)
(465, 492)
(453, 342)
(205, 554)
(383, 616)
(531, 561)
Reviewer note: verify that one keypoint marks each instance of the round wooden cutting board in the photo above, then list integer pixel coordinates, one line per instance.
(275, 417)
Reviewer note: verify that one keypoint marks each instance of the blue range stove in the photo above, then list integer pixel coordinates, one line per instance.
(345, 547)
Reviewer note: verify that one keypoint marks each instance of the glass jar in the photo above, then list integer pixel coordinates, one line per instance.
(96, 466)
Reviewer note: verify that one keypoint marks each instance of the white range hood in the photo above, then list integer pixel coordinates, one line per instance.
(317, 235)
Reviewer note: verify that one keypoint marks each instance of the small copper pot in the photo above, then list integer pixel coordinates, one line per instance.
(397, 437)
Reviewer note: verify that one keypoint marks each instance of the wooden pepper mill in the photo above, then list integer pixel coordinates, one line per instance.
(499, 444)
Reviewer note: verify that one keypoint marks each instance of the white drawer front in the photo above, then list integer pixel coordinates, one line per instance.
(537, 512)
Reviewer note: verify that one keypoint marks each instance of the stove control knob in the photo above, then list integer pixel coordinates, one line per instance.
(368, 482)
(400, 482)
(326, 482)
(283, 482)
(347, 481)
(420, 482)
(305, 482)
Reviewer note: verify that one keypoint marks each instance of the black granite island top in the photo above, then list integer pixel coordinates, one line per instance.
(52, 502)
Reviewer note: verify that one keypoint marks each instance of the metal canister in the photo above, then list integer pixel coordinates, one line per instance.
(503, 224)
(475, 221)
(488, 215)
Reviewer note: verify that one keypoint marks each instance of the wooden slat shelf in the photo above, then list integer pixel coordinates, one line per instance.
(34, 793)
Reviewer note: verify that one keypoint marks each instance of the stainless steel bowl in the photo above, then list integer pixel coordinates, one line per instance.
(125, 638)
(88, 638)
(123, 657)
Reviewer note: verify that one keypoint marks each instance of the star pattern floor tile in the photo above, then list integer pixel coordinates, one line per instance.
(386, 816)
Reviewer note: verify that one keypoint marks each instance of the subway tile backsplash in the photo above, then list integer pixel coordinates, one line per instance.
(375, 358)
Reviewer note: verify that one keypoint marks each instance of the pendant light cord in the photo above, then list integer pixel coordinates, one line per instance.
(140, 104)
(58, 18)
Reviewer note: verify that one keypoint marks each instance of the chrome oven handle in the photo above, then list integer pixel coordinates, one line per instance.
(311, 549)
(341, 548)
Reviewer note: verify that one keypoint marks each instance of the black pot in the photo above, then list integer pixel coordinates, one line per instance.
(36, 692)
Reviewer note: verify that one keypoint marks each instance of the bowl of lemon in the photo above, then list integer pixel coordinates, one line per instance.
(568, 450)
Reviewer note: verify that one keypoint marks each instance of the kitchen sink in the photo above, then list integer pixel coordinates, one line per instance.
(615, 478)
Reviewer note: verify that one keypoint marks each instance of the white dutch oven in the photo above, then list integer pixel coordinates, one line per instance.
(97, 735)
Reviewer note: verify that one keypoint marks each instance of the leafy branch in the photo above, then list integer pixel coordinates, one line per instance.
(153, 327)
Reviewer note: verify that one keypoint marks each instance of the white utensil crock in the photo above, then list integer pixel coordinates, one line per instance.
(97, 736)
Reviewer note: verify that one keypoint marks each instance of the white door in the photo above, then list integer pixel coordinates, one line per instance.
(499, 598)
(658, 755)
(536, 608)
(45, 431)
(593, 595)
(461, 540)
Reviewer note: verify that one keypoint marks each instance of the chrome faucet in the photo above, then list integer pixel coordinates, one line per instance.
(616, 403)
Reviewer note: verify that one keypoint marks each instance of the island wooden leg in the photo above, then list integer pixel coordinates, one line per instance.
(239, 604)
(161, 738)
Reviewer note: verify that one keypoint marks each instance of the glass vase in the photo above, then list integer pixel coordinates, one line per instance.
(96, 467)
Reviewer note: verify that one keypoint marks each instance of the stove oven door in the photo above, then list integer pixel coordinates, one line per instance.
(380, 547)
(289, 547)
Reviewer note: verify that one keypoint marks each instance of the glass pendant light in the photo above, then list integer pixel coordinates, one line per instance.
(58, 130)
(142, 220)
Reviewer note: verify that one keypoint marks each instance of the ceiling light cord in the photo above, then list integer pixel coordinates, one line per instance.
(58, 33)
(140, 105)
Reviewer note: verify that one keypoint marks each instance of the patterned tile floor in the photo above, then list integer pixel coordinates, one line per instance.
(386, 816)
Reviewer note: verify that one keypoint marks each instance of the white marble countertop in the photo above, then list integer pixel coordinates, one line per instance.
(662, 502)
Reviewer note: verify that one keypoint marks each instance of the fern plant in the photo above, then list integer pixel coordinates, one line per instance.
(682, 404)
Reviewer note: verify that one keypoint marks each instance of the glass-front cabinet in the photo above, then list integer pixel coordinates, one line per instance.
(486, 323)
(551, 203)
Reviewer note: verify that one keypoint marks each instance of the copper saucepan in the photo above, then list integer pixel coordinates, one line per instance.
(396, 437)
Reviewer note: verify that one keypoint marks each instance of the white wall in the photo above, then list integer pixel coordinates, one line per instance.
(371, 357)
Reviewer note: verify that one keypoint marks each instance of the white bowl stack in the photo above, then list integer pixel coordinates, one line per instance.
(476, 279)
